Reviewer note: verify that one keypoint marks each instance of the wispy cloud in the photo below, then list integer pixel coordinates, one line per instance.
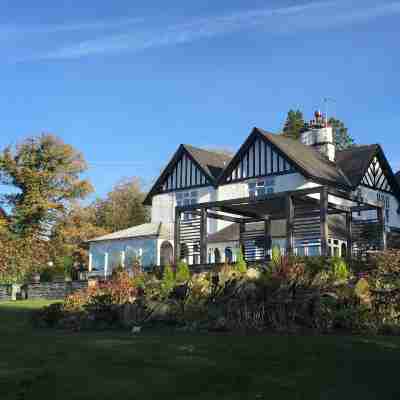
(71, 27)
(315, 15)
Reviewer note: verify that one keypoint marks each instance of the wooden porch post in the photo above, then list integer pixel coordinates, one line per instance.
(289, 224)
(324, 220)
(203, 236)
(267, 238)
(177, 236)
(349, 231)
(242, 229)
(382, 230)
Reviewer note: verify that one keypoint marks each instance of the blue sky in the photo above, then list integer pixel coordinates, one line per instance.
(127, 82)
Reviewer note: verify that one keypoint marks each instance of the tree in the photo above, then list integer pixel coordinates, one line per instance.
(294, 124)
(341, 135)
(71, 232)
(123, 206)
(44, 174)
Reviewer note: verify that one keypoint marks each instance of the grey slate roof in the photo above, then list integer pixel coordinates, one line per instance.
(212, 162)
(311, 161)
(149, 230)
(355, 161)
(228, 234)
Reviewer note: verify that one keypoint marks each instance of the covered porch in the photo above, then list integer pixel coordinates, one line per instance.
(311, 218)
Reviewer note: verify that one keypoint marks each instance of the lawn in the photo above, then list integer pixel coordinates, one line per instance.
(46, 364)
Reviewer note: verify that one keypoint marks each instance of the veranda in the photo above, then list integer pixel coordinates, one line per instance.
(314, 216)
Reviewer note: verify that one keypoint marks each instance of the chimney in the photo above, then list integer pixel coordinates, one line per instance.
(318, 134)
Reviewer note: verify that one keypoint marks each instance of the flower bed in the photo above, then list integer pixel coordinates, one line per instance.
(291, 294)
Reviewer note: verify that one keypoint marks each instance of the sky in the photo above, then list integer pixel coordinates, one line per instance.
(126, 82)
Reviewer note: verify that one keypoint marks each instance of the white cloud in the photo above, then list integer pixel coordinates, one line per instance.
(315, 15)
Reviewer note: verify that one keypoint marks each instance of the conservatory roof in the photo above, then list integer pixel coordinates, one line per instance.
(149, 230)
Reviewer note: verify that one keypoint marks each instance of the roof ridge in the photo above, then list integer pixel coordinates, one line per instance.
(206, 150)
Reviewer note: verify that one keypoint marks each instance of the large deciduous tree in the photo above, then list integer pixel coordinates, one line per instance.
(123, 206)
(44, 175)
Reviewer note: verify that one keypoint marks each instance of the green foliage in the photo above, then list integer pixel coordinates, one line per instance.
(342, 138)
(168, 279)
(276, 256)
(123, 206)
(240, 264)
(340, 270)
(294, 124)
(44, 175)
(182, 272)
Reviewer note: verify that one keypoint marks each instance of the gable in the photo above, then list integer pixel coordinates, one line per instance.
(257, 157)
(182, 172)
(376, 178)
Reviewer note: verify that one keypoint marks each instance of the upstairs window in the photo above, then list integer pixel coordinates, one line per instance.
(261, 187)
(185, 199)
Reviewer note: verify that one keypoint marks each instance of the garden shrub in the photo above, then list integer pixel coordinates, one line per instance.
(168, 280)
(340, 271)
(182, 272)
(275, 256)
(240, 264)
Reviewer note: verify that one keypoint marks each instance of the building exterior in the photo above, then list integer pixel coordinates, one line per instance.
(303, 196)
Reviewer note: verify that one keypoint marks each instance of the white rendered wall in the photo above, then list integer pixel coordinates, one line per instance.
(371, 196)
(163, 206)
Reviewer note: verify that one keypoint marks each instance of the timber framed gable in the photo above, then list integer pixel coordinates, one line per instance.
(257, 157)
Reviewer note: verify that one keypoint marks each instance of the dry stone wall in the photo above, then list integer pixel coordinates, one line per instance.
(54, 290)
(5, 292)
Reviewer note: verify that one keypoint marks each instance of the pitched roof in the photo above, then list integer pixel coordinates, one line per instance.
(212, 162)
(398, 177)
(308, 160)
(148, 230)
(355, 161)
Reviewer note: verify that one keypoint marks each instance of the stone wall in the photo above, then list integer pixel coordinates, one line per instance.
(54, 290)
(5, 292)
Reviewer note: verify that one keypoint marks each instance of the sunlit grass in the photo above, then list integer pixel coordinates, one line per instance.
(50, 364)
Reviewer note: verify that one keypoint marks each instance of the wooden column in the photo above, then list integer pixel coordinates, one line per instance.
(289, 224)
(203, 236)
(242, 228)
(324, 220)
(349, 231)
(267, 238)
(177, 236)
(382, 230)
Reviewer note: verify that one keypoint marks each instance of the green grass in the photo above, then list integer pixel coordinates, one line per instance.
(47, 364)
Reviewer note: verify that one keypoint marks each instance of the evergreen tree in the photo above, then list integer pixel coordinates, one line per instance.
(294, 124)
(44, 174)
(341, 134)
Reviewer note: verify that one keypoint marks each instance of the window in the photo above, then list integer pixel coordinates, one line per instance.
(261, 187)
(385, 200)
(217, 256)
(314, 251)
(186, 199)
(228, 255)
